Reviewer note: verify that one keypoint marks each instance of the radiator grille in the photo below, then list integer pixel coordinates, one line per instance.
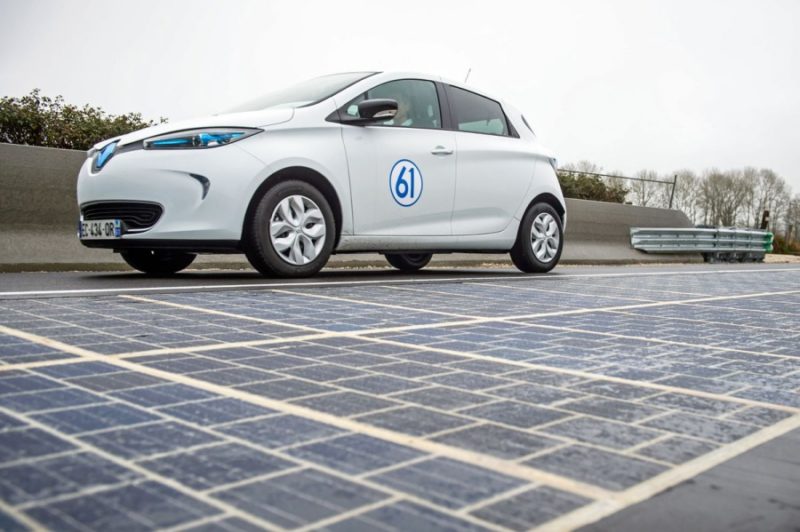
(135, 214)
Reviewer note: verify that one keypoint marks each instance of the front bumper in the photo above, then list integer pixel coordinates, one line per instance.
(204, 195)
(193, 246)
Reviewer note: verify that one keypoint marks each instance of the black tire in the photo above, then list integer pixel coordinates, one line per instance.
(522, 254)
(408, 262)
(157, 262)
(258, 245)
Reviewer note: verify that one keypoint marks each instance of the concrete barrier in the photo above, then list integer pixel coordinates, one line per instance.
(39, 213)
(599, 232)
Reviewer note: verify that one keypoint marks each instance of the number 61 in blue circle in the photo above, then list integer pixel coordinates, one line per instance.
(405, 182)
(402, 187)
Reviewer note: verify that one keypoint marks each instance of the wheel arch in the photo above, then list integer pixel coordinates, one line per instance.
(523, 253)
(298, 173)
(552, 200)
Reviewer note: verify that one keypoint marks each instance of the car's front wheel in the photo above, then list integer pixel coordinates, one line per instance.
(291, 232)
(157, 262)
(408, 262)
(540, 240)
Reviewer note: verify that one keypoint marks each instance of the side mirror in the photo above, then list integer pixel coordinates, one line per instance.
(377, 110)
(369, 112)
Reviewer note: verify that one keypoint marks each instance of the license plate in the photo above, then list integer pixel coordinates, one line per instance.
(100, 229)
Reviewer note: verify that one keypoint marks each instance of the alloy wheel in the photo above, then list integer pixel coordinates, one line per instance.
(545, 237)
(297, 230)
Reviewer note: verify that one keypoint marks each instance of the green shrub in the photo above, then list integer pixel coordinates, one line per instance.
(575, 184)
(38, 120)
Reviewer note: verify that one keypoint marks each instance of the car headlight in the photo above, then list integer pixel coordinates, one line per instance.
(105, 154)
(199, 138)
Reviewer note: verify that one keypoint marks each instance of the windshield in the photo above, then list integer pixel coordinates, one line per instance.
(305, 93)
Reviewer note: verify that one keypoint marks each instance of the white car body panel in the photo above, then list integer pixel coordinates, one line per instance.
(494, 175)
(371, 152)
(472, 199)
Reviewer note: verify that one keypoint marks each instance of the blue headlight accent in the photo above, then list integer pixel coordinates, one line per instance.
(200, 138)
(204, 139)
(187, 141)
(105, 154)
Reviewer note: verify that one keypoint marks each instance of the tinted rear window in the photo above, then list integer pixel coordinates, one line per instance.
(477, 114)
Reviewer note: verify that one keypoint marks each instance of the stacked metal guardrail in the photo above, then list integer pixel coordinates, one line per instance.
(716, 244)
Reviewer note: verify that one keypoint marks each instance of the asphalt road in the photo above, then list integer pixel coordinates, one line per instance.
(50, 284)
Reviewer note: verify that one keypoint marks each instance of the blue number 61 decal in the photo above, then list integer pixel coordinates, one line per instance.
(405, 182)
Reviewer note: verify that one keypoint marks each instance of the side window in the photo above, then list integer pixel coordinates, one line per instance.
(417, 103)
(477, 114)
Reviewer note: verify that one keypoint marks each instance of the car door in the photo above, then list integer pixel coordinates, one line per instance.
(402, 172)
(494, 167)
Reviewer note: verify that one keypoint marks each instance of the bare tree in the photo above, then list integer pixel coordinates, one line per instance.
(686, 196)
(722, 195)
(751, 215)
(644, 193)
(775, 195)
(709, 195)
(771, 194)
(792, 220)
(745, 184)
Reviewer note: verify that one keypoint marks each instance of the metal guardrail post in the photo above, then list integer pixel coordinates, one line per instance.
(672, 194)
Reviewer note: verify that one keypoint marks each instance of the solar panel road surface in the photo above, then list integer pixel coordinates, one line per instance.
(450, 401)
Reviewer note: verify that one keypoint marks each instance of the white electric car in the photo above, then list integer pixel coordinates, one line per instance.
(406, 165)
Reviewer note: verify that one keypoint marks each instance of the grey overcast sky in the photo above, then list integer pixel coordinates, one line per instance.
(626, 84)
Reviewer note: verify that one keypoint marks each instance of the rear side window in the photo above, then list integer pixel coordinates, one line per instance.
(476, 114)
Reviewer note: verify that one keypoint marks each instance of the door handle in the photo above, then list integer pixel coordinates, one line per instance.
(441, 150)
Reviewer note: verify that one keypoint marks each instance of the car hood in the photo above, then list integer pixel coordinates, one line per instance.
(266, 117)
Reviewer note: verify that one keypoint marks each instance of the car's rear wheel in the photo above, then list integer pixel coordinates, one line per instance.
(408, 262)
(157, 262)
(540, 240)
(291, 232)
